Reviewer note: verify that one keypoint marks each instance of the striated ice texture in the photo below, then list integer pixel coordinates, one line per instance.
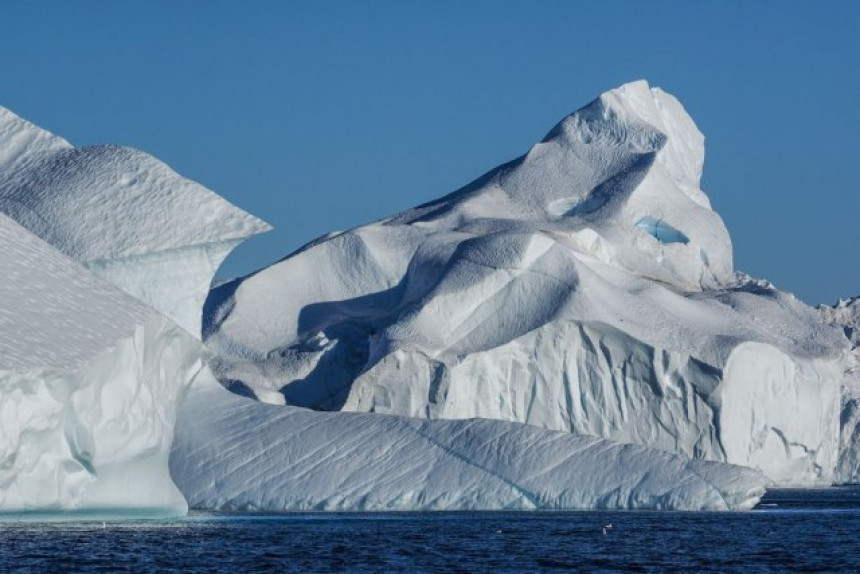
(845, 315)
(586, 286)
(123, 214)
(234, 453)
(90, 381)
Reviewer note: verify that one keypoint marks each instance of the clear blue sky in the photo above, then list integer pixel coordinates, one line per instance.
(325, 115)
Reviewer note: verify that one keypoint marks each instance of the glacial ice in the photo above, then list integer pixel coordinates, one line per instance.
(234, 453)
(532, 295)
(90, 380)
(121, 213)
(662, 232)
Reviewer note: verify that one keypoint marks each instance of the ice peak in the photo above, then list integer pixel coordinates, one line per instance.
(68, 196)
(625, 168)
(123, 214)
(23, 143)
(642, 119)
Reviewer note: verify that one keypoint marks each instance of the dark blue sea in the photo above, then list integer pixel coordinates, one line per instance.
(805, 531)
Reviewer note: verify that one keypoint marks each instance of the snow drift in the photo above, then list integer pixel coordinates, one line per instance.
(90, 381)
(234, 453)
(123, 214)
(586, 286)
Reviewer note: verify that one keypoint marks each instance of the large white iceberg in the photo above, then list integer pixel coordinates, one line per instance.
(90, 381)
(234, 453)
(587, 287)
(123, 214)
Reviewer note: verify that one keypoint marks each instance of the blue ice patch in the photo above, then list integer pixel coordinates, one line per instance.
(662, 231)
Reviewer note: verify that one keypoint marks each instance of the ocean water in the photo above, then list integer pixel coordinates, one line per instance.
(804, 531)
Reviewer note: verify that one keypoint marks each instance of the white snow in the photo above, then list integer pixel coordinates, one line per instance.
(126, 215)
(234, 453)
(90, 380)
(586, 286)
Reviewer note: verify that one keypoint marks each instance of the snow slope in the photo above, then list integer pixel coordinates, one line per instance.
(90, 380)
(845, 315)
(586, 286)
(122, 213)
(234, 453)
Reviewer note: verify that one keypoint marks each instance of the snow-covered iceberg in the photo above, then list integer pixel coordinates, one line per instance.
(123, 214)
(586, 286)
(234, 453)
(90, 381)
(845, 316)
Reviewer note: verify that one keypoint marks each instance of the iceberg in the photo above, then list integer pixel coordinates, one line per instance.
(566, 332)
(236, 454)
(587, 287)
(121, 213)
(90, 382)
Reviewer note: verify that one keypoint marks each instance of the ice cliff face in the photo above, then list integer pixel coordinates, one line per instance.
(233, 453)
(586, 287)
(90, 381)
(123, 214)
(90, 377)
(845, 316)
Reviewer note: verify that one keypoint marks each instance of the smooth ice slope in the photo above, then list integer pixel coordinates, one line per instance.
(121, 212)
(586, 286)
(90, 380)
(234, 453)
(845, 315)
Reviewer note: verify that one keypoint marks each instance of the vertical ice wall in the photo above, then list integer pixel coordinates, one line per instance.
(90, 383)
(845, 316)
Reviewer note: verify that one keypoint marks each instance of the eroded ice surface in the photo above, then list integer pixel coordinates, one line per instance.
(234, 453)
(587, 286)
(90, 380)
(845, 316)
(123, 213)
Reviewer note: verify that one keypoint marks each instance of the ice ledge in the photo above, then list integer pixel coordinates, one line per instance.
(288, 459)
